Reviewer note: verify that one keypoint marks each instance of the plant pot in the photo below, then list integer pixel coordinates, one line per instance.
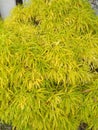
(6, 6)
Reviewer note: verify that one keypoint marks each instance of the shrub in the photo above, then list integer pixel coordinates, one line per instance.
(49, 66)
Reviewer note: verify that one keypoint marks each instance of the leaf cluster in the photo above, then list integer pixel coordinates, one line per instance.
(49, 66)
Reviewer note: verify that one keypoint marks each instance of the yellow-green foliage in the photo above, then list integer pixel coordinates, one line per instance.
(49, 66)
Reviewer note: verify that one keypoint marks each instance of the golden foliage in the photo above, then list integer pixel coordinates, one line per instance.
(49, 66)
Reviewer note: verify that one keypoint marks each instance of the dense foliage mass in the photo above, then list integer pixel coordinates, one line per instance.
(49, 66)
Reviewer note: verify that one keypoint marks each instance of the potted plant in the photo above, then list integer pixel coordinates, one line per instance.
(49, 66)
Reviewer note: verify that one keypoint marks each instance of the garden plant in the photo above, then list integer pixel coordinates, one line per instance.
(49, 66)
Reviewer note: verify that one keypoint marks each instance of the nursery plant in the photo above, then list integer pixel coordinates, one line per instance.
(49, 66)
